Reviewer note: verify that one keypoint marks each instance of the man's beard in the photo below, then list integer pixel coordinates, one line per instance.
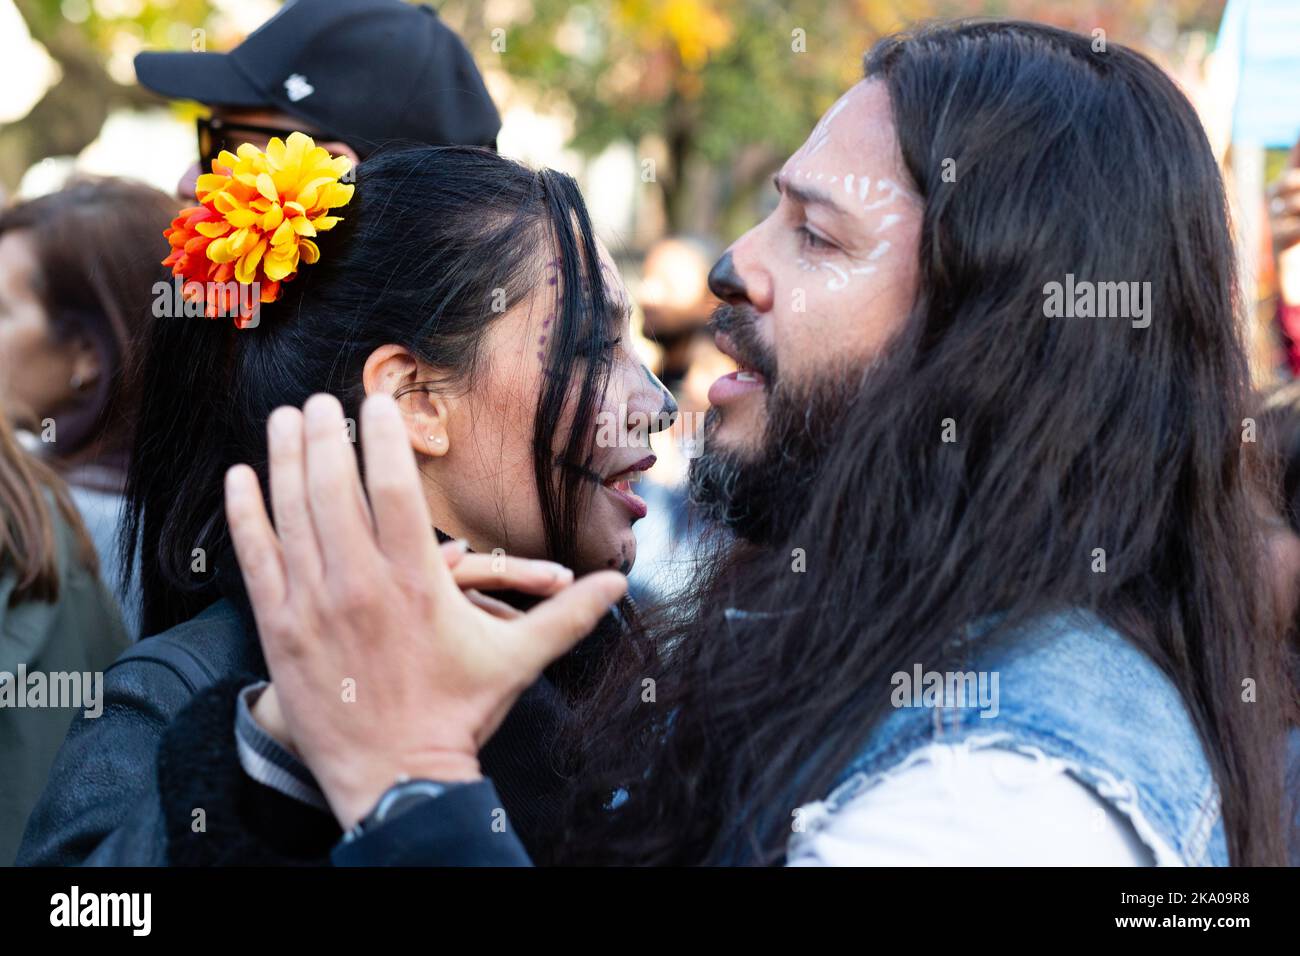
(759, 493)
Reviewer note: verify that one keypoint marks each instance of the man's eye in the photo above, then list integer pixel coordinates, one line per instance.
(813, 241)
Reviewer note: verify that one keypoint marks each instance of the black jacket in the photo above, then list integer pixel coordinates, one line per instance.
(104, 803)
(100, 806)
(248, 824)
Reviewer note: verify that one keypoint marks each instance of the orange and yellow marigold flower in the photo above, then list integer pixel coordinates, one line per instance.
(258, 213)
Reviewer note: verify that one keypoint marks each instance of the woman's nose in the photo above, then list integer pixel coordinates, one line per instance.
(651, 400)
(668, 414)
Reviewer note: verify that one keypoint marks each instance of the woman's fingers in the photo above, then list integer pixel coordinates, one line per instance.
(559, 622)
(293, 522)
(396, 499)
(256, 546)
(334, 488)
(498, 572)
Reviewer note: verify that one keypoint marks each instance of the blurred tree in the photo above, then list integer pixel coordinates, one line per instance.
(736, 85)
(716, 91)
(92, 42)
(695, 85)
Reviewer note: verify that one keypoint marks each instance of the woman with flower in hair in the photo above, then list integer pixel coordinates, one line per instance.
(472, 291)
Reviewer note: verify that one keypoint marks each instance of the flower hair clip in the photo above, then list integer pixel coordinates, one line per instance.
(258, 212)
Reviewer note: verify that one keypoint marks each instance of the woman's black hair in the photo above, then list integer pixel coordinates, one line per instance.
(435, 244)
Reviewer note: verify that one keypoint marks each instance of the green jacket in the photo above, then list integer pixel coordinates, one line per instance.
(61, 649)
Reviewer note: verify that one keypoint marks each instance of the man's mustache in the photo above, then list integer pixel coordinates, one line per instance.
(740, 323)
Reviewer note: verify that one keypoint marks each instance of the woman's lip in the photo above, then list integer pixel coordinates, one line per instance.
(730, 387)
(645, 464)
(629, 500)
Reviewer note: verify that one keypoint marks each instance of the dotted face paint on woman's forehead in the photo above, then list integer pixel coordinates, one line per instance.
(614, 291)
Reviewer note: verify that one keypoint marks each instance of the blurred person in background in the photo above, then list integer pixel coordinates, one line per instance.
(1278, 421)
(56, 617)
(1284, 224)
(77, 270)
(352, 74)
(675, 299)
(1279, 439)
(675, 304)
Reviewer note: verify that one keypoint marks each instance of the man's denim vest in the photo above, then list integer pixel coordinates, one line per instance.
(1071, 688)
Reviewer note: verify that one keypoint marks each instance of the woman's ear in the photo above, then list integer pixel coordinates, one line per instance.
(390, 368)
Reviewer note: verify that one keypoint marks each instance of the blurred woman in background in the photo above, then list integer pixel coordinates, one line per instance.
(55, 618)
(77, 271)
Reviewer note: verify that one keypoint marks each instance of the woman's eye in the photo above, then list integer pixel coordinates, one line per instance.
(813, 241)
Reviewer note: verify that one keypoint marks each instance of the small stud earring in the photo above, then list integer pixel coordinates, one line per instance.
(437, 441)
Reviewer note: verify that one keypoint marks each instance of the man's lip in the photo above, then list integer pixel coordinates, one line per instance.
(726, 346)
(730, 387)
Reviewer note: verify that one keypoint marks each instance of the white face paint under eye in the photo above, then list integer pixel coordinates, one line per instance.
(839, 278)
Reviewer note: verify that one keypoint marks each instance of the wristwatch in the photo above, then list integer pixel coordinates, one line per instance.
(401, 797)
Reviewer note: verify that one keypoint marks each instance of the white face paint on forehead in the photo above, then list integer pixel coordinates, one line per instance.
(822, 131)
(874, 197)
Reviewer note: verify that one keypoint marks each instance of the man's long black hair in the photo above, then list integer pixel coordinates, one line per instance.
(1072, 434)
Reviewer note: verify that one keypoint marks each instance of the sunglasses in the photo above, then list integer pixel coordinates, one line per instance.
(216, 134)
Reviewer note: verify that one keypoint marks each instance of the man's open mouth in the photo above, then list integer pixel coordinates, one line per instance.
(747, 378)
(733, 385)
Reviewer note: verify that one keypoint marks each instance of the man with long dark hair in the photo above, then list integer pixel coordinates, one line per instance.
(997, 593)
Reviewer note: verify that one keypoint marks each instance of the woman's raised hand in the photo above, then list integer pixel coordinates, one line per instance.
(383, 667)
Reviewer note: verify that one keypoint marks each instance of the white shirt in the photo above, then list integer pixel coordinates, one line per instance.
(956, 805)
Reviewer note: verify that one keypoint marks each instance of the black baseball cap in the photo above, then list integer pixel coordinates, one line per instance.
(364, 71)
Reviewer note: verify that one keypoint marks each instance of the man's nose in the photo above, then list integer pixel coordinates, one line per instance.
(725, 282)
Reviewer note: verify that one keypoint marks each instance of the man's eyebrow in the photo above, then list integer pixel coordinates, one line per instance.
(806, 195)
